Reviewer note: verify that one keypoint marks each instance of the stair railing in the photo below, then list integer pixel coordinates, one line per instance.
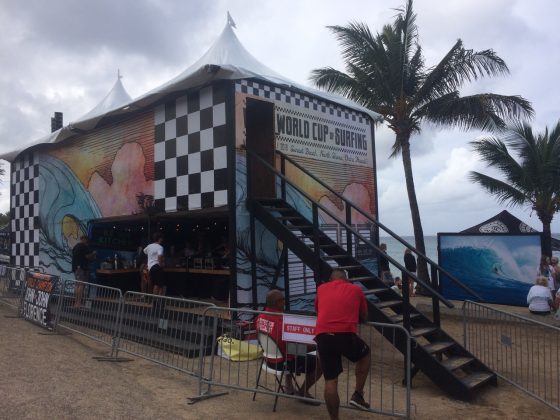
(435, 269)
(350, 231)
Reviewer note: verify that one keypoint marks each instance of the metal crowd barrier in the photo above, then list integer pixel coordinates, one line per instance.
(94, 313)
(166, 330)
(522, 351)
(233, 363)
(12, 286)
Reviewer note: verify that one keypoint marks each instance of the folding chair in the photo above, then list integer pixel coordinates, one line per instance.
(272, 351)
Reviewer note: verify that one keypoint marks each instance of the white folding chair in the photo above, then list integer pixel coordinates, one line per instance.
(272, 351)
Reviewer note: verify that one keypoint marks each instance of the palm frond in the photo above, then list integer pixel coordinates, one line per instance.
(485, 111)
(500, 189)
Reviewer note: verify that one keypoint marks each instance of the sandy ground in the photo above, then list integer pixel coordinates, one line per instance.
(55, 377)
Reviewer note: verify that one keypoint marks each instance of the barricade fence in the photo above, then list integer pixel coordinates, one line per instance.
(239, 364)
(522, 351)
(166, 330)
(217, 345)
(88, 309)
(12, 286)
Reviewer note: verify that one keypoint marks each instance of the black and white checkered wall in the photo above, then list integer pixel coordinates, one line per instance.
(25, 211)
(190, 152)
(279, 94)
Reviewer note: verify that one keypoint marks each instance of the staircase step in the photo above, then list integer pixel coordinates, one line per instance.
(365, 278)
(398, 318)
(280, 209)
(294, 227)
(456, 362)
(419, 332)
(477, 379)
(375, 291)
(438, 346)
(388, 303)
(334, 257)
(349, 267)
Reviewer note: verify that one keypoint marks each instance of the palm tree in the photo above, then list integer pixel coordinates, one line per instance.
(532, 179)
(386, 73)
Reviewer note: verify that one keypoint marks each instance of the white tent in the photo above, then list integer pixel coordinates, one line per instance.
(226, 59)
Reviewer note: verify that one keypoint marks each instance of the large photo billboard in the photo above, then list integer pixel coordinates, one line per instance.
(499, 267)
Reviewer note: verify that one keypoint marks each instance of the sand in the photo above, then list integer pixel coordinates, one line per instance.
(55, 377)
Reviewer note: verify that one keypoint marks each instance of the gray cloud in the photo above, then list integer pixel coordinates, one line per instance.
(62, 55)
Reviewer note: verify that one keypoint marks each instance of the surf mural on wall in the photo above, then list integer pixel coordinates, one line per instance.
(501, 268)
(100, 174)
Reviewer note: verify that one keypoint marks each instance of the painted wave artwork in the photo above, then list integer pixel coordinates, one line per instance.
(501, 269)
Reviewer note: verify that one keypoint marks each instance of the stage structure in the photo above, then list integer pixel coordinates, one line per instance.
(178, 156)
(228, 158)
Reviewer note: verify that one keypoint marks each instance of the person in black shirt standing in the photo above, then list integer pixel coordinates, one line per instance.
(410, 265)
(81, 257)
(384, 270)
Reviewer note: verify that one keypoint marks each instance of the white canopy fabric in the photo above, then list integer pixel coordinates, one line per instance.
(226, 59)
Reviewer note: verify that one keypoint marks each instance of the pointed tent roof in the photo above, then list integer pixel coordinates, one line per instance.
(226, 59)
(505, 222)
(116, 98)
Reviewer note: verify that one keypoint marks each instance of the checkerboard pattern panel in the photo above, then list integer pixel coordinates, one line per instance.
(25, 211)
(190, 152)
(279, 94)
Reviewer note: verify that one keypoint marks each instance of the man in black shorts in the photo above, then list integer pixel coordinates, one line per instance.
(340, 305)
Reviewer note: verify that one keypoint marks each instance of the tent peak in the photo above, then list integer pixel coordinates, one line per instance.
(117, 97)
(230, 20)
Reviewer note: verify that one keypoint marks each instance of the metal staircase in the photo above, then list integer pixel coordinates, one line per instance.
(433, 352)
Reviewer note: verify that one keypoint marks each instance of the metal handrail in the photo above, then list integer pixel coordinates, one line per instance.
(351, 229)
(379, 224)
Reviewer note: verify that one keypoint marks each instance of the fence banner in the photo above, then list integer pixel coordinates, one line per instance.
(37, 298)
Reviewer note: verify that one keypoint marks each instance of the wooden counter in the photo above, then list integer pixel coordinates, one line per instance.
(119, 271)
(215, 271)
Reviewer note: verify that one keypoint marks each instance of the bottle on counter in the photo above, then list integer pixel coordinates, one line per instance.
(116, 261)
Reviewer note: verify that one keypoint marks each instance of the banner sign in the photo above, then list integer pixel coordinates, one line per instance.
(299, 329)
(307, 133)
(38, 290)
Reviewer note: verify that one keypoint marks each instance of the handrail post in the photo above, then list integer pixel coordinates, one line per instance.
(249, 168)
(406, 301)
(316, 241)
(435, 299)
(282, 179)
(348, 233)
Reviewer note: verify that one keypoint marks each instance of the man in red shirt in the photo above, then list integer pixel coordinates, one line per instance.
(340, 305)
(272, 325)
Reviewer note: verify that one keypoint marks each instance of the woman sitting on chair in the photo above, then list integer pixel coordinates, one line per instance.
(271, 325)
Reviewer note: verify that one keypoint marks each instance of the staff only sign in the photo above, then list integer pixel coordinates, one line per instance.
(298, 329)
(309, 134)
(38, 290)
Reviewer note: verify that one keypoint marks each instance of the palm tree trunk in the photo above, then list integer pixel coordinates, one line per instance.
(414, 211)
(547, 235)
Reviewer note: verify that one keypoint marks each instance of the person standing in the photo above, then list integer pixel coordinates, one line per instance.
(547, 271)
(82, 255)
(340, 305)
(384, 270)
(410, 265)
(556, 271)
(154, 251)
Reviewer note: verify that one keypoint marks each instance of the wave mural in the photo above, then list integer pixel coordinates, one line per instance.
(66, 207)
(501, 269)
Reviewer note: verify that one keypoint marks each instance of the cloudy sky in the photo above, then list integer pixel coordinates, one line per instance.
(63, 55)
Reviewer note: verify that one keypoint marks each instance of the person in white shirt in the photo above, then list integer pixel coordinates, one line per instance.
(154, 251)
(539, 298)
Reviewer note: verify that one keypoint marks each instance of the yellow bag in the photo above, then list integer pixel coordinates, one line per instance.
(237, 351)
